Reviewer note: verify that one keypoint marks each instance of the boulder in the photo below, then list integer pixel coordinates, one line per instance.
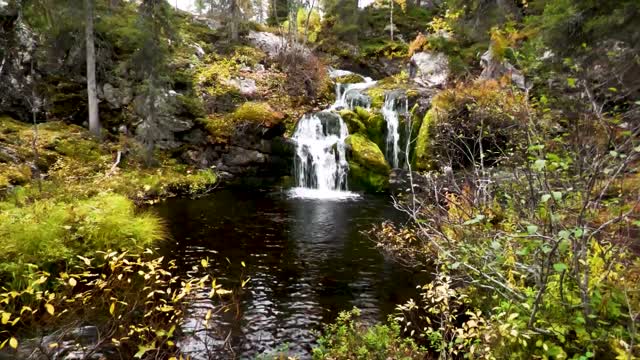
(273, 45)
(429, 69)
(238, 156)
(116, 97)
(493, 68)
(422, 156)
(246, 87)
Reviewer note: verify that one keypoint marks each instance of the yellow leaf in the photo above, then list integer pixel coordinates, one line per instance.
(5, 317)
(53, 345)
(112, 308)
(242, 263)
(25, 308)
(72, 282)
(204, 263)
(13, 343)
(86, 261)
(50, 309)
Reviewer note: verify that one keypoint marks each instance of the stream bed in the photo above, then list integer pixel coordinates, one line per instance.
(307, 260)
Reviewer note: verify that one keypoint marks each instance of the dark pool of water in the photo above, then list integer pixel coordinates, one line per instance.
(307, 260)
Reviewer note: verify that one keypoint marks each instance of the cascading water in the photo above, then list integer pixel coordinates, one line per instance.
(393, 134)
(391, 112)
(320, 153)
(320, 165)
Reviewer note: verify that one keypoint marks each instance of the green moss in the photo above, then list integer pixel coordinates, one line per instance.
(361, 121)
(360, 178)
(422, 158)
(354, 124)
(258, 112)
(368, 168)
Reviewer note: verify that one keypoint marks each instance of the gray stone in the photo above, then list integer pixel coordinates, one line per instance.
(429, 69)
(273, 45)
(160, 129)
(246, 87)
(199, 51)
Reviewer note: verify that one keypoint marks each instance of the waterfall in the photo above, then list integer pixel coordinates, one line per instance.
(321, 161)
(320, 165)
(393, 134)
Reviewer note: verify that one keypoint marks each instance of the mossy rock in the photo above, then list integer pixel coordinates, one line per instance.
(362, 121)
(422, 158)
(349, 79)
(257, 112)
(361, 178)
(368, 168)
(354, 124)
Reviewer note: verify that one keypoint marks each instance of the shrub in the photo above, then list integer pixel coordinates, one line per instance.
(348, 338)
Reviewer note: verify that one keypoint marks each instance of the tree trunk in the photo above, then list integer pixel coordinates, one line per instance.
(306, 25)
(94, 121)
(234, 20)
(391, 20)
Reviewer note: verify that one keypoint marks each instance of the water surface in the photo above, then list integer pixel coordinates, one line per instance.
(307, 260)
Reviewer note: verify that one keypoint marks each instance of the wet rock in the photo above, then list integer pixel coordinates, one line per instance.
(493, 68)
(429, 69)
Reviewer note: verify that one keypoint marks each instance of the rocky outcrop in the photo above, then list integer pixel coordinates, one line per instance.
(17, 47)
(429, 69)
(256, 150)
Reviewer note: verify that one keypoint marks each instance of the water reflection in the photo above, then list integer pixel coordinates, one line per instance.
(307, 260)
